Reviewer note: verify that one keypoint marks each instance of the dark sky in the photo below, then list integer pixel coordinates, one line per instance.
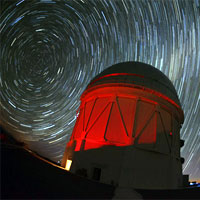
(51, 49)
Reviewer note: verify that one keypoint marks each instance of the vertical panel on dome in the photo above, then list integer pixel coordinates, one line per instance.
(115, 130)
(144, 111)
(99, 106)
(127, 108)
(167, 123)
(87, 112)
(97, 130)
(176, 136)
(162, 144)
(148, 134)
(166, 116)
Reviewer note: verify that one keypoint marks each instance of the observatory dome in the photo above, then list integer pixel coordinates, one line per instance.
(128, 129)
(140, 74)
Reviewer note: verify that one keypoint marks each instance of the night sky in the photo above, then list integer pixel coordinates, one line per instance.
(51, 49)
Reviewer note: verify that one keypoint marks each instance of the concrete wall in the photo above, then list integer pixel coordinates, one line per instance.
(130, 167)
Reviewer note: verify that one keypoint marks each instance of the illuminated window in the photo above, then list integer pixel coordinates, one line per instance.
(68, 165)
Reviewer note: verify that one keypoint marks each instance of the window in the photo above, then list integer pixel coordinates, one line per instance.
(96, 174)
(68, 165)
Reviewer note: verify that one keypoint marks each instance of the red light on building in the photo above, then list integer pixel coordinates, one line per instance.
(107, 118)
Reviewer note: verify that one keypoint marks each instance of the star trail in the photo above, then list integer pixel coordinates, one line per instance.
(51, 49)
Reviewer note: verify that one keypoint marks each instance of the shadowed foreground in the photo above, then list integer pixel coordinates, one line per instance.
(25, 176)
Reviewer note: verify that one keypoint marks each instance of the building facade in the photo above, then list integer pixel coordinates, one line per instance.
(128, 129)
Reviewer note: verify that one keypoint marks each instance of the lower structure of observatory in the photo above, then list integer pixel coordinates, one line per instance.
(127, 130)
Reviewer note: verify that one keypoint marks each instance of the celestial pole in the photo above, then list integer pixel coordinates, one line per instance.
(51, 49)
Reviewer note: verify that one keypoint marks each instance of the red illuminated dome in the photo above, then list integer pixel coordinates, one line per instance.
(131, 105)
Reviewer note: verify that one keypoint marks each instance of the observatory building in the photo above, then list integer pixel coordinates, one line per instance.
(128, 129)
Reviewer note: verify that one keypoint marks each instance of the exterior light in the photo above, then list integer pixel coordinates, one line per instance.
(68, 165)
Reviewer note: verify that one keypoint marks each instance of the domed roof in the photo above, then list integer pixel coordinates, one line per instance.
(137, 73)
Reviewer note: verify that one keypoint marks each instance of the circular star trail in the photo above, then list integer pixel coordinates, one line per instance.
(51, 49)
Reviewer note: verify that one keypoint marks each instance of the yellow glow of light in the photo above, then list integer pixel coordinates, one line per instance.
(68, 165)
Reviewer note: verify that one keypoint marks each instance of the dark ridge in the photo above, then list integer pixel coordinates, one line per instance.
(24, 176)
